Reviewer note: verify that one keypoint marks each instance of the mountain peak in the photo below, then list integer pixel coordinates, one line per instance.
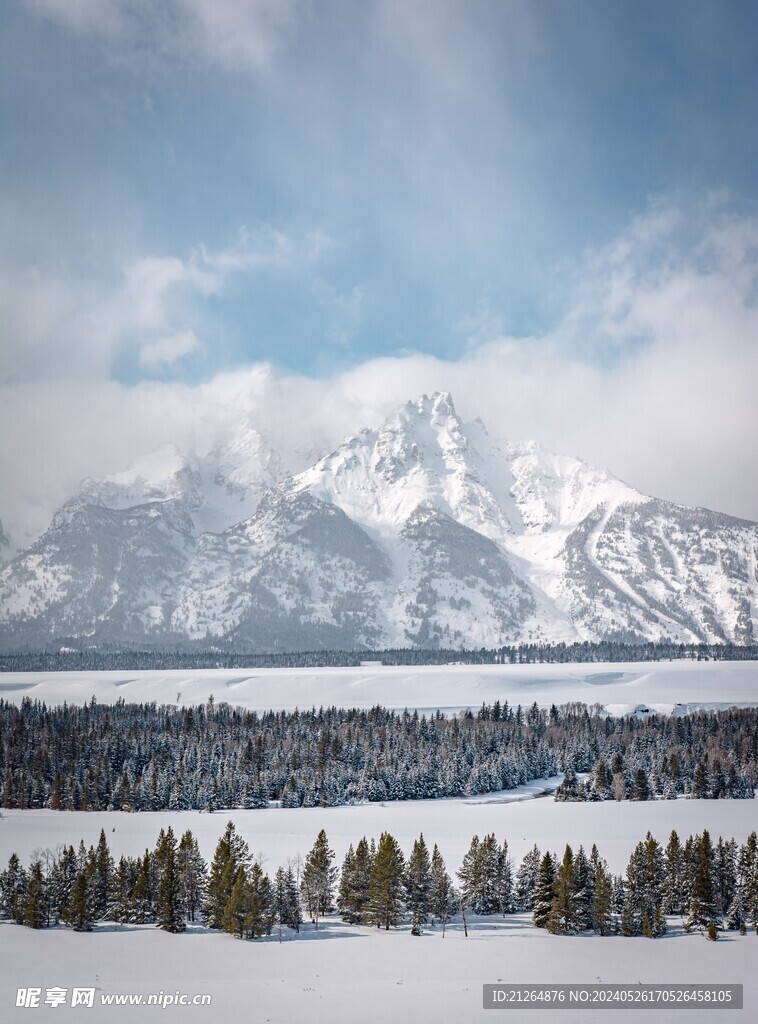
(437, 408)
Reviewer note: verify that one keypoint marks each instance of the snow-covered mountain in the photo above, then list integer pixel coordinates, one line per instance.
(423, 532)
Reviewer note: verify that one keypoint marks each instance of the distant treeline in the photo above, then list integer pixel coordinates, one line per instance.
(712, 885)
(148, 757)
(104, 659)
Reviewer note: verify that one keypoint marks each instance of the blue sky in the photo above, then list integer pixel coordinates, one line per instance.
(196, 188)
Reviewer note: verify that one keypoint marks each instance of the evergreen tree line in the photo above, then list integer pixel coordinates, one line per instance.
(712, 886)
(228, 656)
(146, 757)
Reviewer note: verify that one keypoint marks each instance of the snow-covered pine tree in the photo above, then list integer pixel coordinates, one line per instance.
(640, 787)
(543, 891)
(526, 879)
(354, 883)
(583, 886)
(470, 876)
(62, 878)
(102, 877)
(505, 894)
(442, 896)
(13, 882)
(725, 874)
(35, 902)
(192, 875)
(643, 905)
(169, 905)
(674, 894)
(738, 914)
(751, 854)
(142, 898)
(124, 877)
(319, 876)
(287, 900)
(703, 899)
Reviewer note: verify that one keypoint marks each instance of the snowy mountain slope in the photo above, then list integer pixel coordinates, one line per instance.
(218, 490)
(99, 572)
(424, 532)
(298, 573)
(5, 546)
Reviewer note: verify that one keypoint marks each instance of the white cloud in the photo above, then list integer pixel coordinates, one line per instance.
(651, 373)
(234, 34)
(169, 350)
(57, 325)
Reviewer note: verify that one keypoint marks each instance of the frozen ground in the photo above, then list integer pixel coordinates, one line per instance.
(356, 974)
(621, 687)
(349, 974)
(279, 833)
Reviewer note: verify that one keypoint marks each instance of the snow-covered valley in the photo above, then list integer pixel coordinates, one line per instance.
(339, 972)
(669, 687)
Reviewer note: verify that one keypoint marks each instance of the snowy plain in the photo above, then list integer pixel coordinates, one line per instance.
(355, 974)
(359, 974)
(620, 687)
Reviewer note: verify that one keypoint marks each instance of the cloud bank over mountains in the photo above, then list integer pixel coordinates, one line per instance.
(649, 371)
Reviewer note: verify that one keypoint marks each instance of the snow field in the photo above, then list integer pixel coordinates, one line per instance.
(343, 973)
(622, 687)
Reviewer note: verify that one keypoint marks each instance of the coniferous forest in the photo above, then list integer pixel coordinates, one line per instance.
(148, 757)
(712, 886)
(103, 658)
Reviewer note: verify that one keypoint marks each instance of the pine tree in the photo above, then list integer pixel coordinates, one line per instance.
(526, 879)
(643, 904)
(701, 781)
(319, 877)
(442, 897)
(725, 874)
(62, 878)
(354, 882)
(470, 876)
(262, 903)
(583, 889)
(235, 918)
(344, 889)
(385, 902)
(674, 897)
(738, 916)
(602, 897)
(702, 907)
(417, 885)
(13, 882)
(102, 879)
(192, 875)
(562, 917)
(123, 882)
(640, 788)
(168, 907)
(287, 900)
(505, 893)
(543, 891)
(231, 854)
(35, 904)
(79, 914)
(142, 898)
(751, 855)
